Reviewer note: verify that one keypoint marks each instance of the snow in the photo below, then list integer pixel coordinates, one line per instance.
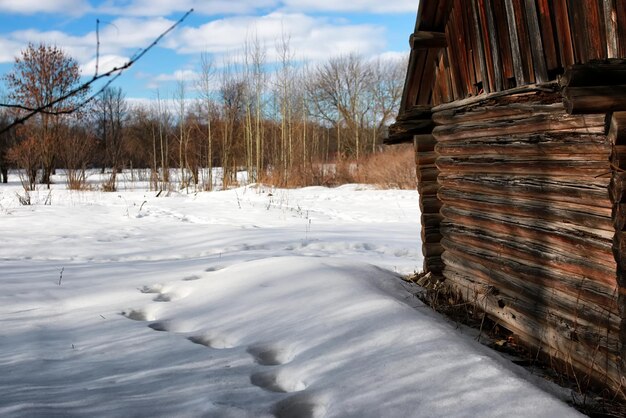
(252, 302)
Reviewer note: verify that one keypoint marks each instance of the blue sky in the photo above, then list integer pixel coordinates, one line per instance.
(317, 29)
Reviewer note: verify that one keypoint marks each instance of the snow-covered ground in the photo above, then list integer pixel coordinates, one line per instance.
(251, 302)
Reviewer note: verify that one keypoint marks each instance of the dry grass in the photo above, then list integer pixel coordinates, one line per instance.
(393, 168)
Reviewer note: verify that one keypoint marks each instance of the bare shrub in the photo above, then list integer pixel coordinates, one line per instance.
(76, 149)
(24, 154)
(394, 168)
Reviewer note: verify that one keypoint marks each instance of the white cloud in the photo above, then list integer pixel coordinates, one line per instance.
(29, 7)
(363, 6)
(178, 75)
(121, 37)
(105, 63)
(309, 37)
(247, 7)
(168, 7)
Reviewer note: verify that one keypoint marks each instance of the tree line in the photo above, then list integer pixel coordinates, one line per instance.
(282, 122)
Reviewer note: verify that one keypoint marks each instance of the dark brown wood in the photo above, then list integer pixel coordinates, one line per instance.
(590, 217)
(547, 34)
(561, 19)
(610, 22)
(617, 187)
(494, 47)
(480, 46)
(597, 99)
(537, 50)
(589, 124)
(617, 129)
(594, 74)
(518, 66)
(585, 192)
(621, 27)
(595, 33)
(524, 39)
(426, 40)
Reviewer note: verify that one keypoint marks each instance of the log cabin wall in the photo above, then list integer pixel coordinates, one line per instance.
(521, 168)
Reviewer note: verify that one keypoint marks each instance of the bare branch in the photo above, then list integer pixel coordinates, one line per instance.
(114, 73)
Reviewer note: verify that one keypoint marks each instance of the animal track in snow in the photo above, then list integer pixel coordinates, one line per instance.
(191, 278)
(214, 340)
(165, 293)
(171, 326)
(277, 381)
(270, 354)
(302, 405)
(214, 268)
(140, 314)
(155, 288)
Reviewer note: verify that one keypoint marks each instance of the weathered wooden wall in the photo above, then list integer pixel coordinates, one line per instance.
(528, 227)
(522, 180)
(463, 48)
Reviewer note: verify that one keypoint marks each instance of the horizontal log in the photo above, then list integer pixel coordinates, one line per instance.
(617, 128)
(527, 93)
(429, 204)
(424, 143)
(619, 216)
(580, 273)
(486, 113)
(560, 236)
(550, 122)
(593, 74)
(433, 265)
(546, 334)
(425, 158)
(426, 40)
(529, 145)
(512, 281)
(596, 99)
(431, 219)
(427, 173)
(585, 191)
(592, 217)
(432, 249)
(617, 187)
(619, 252)
(528, 167)
(425, 188)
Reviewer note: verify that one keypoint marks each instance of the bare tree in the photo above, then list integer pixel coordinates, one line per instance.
(111, 114)
(205, 87)
(43, 74)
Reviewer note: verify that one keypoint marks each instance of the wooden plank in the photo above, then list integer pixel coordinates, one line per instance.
(591, 192)
(598, 99)
(463, 48)
(566, 295)
(595, 30)
(425, 92)
(480, 47)
(540, 93)
(500, 16)
(426, 40)
(537, 50)
(590, 124)
(617, 129)
(558, 234)
(529, 208)
(547, 34)
(621, 27)
(524, 40)
(482, 7)
(494, 112)
(470, 42)
(564, 36)
(594, 74)
(610, 23)
(580, 38)
(571, 276)
(494, 47)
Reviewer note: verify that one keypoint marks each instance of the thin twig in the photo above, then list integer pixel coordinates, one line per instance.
(85, 86)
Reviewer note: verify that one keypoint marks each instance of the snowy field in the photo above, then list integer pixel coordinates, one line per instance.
(252, 302)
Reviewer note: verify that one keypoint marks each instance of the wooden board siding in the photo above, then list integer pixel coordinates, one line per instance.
(522, 168)
(528, 224)
(495, 45)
